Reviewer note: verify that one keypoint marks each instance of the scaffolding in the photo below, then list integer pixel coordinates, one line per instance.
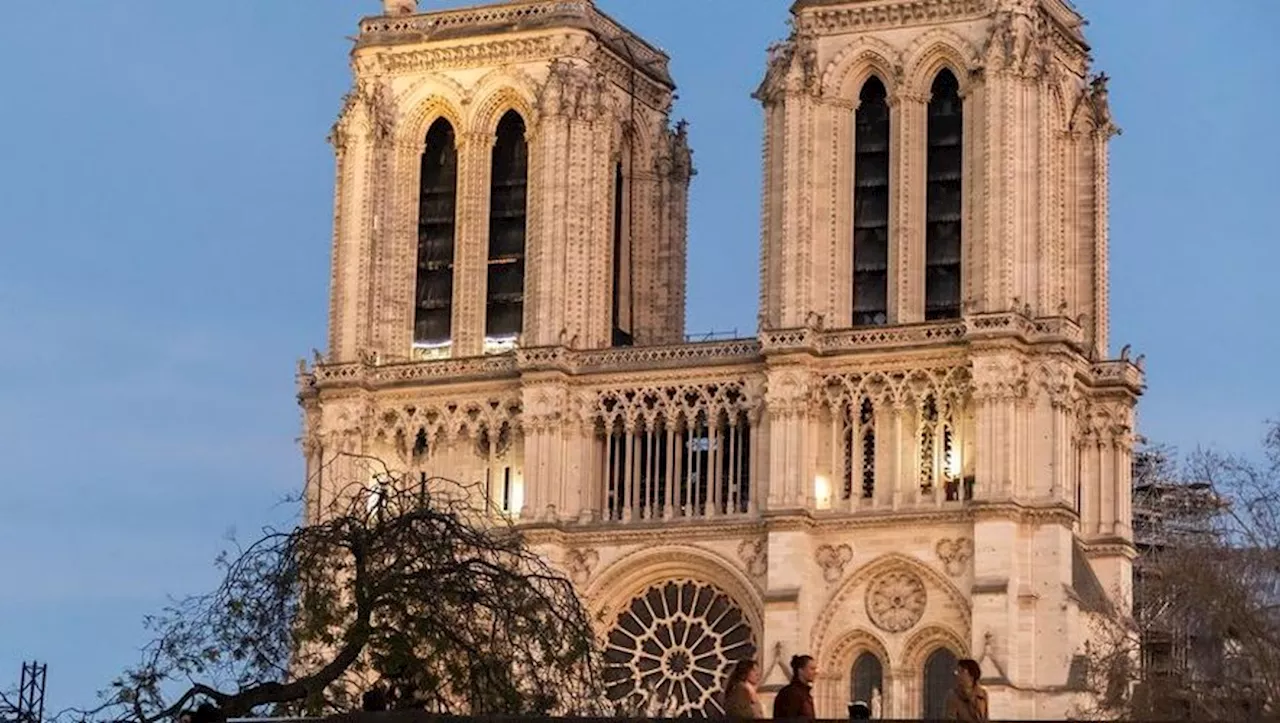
(29, 706)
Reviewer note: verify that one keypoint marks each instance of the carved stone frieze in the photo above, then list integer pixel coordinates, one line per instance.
(895, 386)
(896, 600)
(955, 554)
(429, 419)
(999, 378)
(833, 559)
(673, 402)
(847, 17)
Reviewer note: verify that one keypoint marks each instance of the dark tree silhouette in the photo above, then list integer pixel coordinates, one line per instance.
(413, 586)
(1203, 641)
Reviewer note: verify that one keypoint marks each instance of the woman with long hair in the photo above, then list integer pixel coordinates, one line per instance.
(741, 701)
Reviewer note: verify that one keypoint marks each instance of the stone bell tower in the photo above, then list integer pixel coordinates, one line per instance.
(508, 176)
(935, 182)
(944, 162)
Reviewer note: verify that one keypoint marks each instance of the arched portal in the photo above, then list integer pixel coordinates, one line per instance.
(866, 680)
(670, 649)
(939, 678)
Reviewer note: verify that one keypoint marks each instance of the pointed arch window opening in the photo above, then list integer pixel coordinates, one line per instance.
(939, 678)
(866, 682)
(941, 452)
(623, 296)
(859, 442)
(944, 199)
(508, 211)
(871, 178)
(437, 229)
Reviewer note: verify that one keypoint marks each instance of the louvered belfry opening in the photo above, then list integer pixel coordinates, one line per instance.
(871, 206)
(621, 303)
(437, 226)
(944, 199)
(509, 180)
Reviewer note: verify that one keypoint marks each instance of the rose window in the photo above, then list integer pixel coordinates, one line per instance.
(671, 648)
(896, 601)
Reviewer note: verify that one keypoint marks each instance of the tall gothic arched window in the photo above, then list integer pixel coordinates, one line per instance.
(871, 206)
(939, 679)
(508, 184)
(944, 199)
(437, 207)
(866, 683)
(621, 299)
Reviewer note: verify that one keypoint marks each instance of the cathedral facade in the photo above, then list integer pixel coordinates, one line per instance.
(924, 453)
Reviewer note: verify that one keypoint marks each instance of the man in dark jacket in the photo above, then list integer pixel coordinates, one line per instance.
(795, 700)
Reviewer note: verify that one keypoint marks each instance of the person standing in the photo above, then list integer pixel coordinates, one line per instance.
(967, 701)
(741, 699)
(795, 700)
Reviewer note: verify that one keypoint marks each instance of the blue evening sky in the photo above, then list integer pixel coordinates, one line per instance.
(164, 241)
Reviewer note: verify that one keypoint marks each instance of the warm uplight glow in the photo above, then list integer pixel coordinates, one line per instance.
(426, 351)
(953, 465)
(517, 494)
(500, 344)
(822, 491)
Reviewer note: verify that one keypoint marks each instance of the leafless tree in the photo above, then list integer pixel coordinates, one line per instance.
(1203, 641)
(412, 585)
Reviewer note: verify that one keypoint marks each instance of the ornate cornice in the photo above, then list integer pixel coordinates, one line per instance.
(835, 349)
(1109, 547)
(818, 524)
(495, 20)
(831, 17)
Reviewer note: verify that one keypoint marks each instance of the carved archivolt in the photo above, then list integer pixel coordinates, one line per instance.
(849, 69)
(839, 656)
(932, 51)
(928, 639)
(613, 589)
(838, 608)
(433, 96)
(492, 105)
(896, 601)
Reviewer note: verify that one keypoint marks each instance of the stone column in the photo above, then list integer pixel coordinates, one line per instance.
(907, 198)
(471, 243)
(544, 402)
(787, 404)
(350, 232)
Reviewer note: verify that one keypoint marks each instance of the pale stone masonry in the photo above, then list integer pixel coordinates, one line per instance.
(923, 455)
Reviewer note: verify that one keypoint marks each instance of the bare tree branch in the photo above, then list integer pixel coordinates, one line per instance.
(1204, 638)
(414, 584)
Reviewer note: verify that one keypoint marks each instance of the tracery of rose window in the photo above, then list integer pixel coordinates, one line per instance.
(671, 648)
